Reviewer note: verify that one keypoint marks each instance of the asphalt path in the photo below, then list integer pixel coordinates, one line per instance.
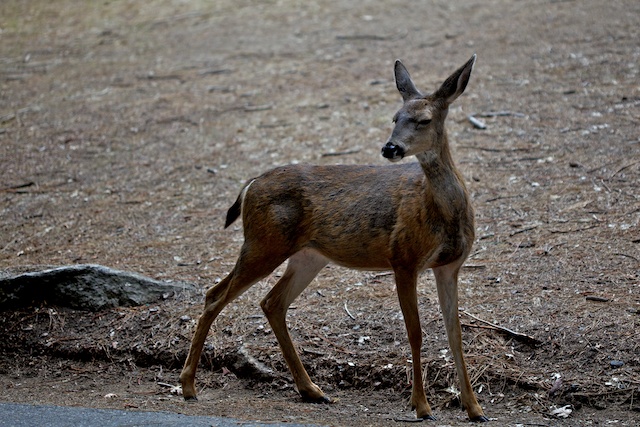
(19, 415)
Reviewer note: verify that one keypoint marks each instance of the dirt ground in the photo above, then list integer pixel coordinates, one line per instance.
(127, 129)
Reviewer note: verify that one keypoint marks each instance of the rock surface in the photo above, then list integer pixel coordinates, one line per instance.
(85, 287)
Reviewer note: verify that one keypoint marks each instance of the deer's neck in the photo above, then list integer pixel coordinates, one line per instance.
(437, 164)
(444, 185)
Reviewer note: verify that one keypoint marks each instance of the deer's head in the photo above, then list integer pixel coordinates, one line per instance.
(419, 124)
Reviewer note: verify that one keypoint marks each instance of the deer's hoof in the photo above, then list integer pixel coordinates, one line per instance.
(316, 399)
(480, 419)
(321, 400)
(191, 398)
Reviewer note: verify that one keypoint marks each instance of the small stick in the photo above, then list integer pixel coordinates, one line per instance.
(474, 267)
(478, 124)
(501, 114)
(165, 385)
(572, 231)
(386, 273)
(623, 168)
(596, 298)
(516, 335)
(626, 255)
(504, 197)
(17, 188)
(348, 312)
(315, 353)
(340, 153)
(524, 230)
(215, 71)
(251, 108)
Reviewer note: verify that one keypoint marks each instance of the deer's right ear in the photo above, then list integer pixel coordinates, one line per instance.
(404, 83)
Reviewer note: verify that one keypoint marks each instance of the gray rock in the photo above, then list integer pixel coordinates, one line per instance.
(85, 287)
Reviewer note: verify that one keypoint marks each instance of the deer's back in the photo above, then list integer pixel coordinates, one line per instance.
(355, 215)
(344, 195)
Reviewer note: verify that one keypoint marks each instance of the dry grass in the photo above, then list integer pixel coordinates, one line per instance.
(127, 130)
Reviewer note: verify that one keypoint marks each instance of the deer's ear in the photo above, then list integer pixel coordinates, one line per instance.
(404, 84)
(457, 82)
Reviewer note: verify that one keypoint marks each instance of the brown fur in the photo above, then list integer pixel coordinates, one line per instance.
(405, 217)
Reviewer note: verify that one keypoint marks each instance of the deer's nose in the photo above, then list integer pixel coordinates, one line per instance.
(392, 151)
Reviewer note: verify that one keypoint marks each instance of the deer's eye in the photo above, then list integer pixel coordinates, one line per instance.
(423, 123)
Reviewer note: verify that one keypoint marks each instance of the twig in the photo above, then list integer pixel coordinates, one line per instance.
(340, 153)
(251, 108)
(152, 76)
(17, 188)
(478, 124)
(596, 298)
(603, 166)
(516, 335)
(503, 197)
(623, 168)
(183, 119)
(165, 385)
(246, 108)
(383, 274)
(626, 256)
(501, 114)
(524, 230)
(215, 71)
(572, 231)
(314, 352)
(474, 267)
(469, 325)
(348, 312)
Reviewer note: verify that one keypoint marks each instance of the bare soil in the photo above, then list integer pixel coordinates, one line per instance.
(127, 129)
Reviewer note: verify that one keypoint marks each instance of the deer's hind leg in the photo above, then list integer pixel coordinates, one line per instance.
(253, 265)
(302, 268)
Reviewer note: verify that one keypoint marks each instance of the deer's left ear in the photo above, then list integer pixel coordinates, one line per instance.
(457, 82)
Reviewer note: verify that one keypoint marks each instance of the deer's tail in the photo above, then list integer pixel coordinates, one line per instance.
(236, 209)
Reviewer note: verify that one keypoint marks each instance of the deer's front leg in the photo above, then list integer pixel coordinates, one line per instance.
(406, 282)
(447, 283)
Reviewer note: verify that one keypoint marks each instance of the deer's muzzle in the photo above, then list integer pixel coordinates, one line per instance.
(392, 151)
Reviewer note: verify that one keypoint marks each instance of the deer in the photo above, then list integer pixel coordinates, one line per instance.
(401, 217)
